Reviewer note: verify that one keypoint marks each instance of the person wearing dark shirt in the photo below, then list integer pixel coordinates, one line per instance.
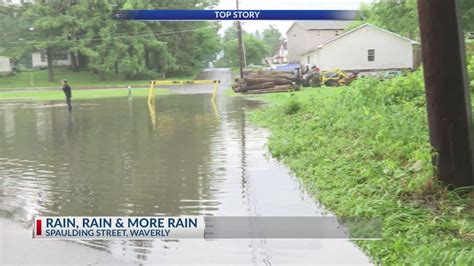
(67, 92)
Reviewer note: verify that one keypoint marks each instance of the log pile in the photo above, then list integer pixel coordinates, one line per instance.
(256, 82)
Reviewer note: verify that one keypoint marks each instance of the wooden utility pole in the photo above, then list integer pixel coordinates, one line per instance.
(447, 93)
(241, 49)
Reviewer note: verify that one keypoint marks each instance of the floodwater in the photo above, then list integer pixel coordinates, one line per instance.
(182, 156)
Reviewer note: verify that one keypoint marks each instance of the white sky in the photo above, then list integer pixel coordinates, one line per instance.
(252, 26)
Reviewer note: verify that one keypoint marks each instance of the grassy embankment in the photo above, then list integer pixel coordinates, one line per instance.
(30, 81)
(39, 78)
(53, 95)
(364, 151)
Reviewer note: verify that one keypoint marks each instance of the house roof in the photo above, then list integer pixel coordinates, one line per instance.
(319, 46)
(322, 24)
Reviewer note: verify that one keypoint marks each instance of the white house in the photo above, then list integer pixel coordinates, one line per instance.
(366, 47)
(39, 59)
(6, 65)
(281, 56)
(15, 2)
(303, 35)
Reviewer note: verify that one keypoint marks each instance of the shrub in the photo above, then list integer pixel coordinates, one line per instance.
(365, 152)
(292, 106)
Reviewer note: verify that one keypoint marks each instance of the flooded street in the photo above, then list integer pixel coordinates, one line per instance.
(183, 156)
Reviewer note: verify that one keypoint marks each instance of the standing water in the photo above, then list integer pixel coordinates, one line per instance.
(184, 156)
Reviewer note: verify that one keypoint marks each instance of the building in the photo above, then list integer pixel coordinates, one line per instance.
(281, 57)
(302, 35)
(366, 47)
(39, 59)
(6, 65)
(14, 2)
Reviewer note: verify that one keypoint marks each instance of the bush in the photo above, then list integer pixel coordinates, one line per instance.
(470, 63)
(292, 106)
(365, 152)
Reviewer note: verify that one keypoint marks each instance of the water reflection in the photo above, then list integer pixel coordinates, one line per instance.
(152, 111)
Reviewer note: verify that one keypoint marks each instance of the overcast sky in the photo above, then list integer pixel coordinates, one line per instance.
(251, 26)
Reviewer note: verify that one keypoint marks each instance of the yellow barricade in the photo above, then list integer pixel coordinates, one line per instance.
(151, 91)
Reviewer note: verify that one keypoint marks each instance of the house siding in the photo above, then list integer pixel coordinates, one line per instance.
(350, 52)
(5, 65)
(37, 61)
(300, 40)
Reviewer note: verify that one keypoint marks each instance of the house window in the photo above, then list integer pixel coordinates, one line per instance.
(336, 33)
(308, 59)
(371, 55)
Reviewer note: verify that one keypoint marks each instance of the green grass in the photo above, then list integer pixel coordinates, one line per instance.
(363, 150)
(51, 95)
(235, 71)
(230, 92)
(39, 78)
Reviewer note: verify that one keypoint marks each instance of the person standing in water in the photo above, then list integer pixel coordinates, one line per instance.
(67, 92)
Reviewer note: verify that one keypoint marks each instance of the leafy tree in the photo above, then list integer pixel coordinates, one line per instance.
(12, 31)
(182, 47)
(255, 51)
(97, 42)
(467, 7)
(402, 16)
(258, 35)
(48, 20)
(231, 33)
(396, 16)
(271, 37)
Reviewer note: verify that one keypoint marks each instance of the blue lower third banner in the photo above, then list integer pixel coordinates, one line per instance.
(183, 15)
(198, 227)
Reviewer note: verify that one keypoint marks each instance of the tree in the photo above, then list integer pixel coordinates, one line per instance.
(397, 16)
(12, 31)
(467, 7)
(48, 20)
(258, 35)
(95, 41)
(402, 16)
(231, 33)
(271, 37)
(255, 51)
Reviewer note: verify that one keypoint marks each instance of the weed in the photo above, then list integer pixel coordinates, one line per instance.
(364, 151)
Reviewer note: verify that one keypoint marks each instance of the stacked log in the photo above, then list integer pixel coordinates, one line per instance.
(256, 82)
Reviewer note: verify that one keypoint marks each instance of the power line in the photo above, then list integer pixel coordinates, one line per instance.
(114, 37)
(33, 34)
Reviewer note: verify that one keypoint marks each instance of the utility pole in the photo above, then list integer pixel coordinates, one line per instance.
(447, 93)
(241, 50)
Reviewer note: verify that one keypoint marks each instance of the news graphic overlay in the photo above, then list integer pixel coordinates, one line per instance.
(199, 15)
(118, 227)
(197, 227)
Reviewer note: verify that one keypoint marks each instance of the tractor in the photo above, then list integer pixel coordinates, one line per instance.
(330, 78)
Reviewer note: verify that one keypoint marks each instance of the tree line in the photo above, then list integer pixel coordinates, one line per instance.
(95, 41)
(402, 16)
(257, 46)
(86, 30)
